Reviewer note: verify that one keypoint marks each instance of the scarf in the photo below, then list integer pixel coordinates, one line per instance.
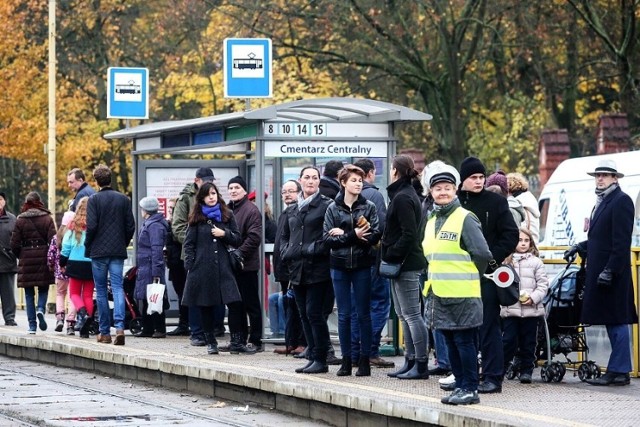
(601, 194)
(212, 212)
(302, 202)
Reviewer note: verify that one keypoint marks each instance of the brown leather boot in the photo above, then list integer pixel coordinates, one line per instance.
(104, 339)
(119, 340)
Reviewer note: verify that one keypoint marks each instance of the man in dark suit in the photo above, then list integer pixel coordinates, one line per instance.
(608, 295)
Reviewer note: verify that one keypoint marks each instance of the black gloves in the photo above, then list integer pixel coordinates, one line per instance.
(570, 254)
(605, 278)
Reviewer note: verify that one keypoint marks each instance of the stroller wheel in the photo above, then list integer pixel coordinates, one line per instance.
(546, 373)
(94, 328)
(558, 371)
(135, 326)
(584, 373)
(594, 370)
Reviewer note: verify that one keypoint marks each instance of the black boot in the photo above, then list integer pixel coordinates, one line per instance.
(408, 364)
(345, 368)
(301, 369)
(212, 344)
(317, 367)
(237, 346)
(81, 319)
(420, 371)
(84, 332)
(364, 367)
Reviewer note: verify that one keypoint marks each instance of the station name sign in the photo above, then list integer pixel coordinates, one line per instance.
(325, 149)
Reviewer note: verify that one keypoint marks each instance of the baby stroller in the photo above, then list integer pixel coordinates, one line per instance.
(132, 318)
(563, 332)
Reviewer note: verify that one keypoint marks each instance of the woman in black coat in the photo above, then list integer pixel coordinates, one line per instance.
(210, 279)
(400, 244)
(307, 255)
(608, 295)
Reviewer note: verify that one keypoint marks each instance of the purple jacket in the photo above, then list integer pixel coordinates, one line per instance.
(149, 255)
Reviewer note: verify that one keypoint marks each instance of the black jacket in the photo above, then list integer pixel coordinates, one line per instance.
(249, 221)
(110, 224)
(498, 227)
(347, 251)
(329, 187)
(303, 246)
(400, 241)
(280, 269)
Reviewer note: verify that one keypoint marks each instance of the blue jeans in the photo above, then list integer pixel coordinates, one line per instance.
(103, 268)
(442, 352)
(463, 356)
(29, 299)
(405, 291)
(195, 321)
(380, 306)
(620, 358)
(277, 320)
(358, 281)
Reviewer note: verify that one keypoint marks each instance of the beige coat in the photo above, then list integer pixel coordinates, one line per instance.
(533, 280)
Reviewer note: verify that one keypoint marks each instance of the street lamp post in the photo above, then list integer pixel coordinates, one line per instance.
(51, 145)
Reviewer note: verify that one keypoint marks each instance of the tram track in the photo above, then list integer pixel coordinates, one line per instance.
(147, 411)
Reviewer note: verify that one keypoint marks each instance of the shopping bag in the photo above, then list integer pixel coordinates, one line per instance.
(155, 297)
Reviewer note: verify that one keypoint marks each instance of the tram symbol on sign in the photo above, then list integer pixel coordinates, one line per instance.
(251, 63)
(131, 88)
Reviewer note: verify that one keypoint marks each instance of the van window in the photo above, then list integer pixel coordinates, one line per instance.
(543, 205)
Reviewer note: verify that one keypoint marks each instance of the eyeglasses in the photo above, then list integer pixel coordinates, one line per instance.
(285, 192)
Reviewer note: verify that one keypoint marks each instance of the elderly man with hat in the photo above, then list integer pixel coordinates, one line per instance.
(501, 233)
(8, 263)
(189, 322)
(608, 295)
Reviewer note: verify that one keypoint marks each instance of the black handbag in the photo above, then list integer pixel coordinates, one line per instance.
(389, 270)
(235, 259)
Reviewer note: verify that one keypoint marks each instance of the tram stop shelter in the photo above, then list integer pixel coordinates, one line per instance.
(266, 146)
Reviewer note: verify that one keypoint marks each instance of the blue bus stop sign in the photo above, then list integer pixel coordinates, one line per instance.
(128, 93)
(247, 68)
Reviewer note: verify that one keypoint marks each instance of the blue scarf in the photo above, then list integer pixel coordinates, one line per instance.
(212, 212)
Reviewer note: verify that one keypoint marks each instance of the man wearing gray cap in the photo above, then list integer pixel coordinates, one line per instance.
(179, 223)
(608, 293)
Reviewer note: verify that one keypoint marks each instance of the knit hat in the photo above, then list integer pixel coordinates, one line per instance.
(444, 173)
(238, 180)
(67, 217)
(149, 204)
(471, 166)
(498, 178)
(3, 195)
(252, 195)
(205, 174)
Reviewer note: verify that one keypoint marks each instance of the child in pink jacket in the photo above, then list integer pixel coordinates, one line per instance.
(520, 320)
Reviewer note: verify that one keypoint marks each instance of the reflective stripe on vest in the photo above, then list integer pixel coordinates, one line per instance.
(452, 273)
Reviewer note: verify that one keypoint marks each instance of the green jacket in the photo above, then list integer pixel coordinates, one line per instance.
(180, 218)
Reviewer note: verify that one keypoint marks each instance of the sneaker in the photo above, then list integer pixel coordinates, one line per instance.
(31, 331)
(439, 371)
(70, 330)
(464, 397)
(253, 348)
(451, 379)
(446, 399)
(59, 325)
(197, 341)
(333, 360)
(525, 378)
(42, 324)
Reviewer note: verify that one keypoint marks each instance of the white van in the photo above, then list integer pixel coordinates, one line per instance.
(567, 199)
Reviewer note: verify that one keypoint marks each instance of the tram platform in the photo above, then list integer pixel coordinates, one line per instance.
(269, 380)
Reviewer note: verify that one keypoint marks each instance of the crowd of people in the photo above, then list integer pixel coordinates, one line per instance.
(430, 250)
